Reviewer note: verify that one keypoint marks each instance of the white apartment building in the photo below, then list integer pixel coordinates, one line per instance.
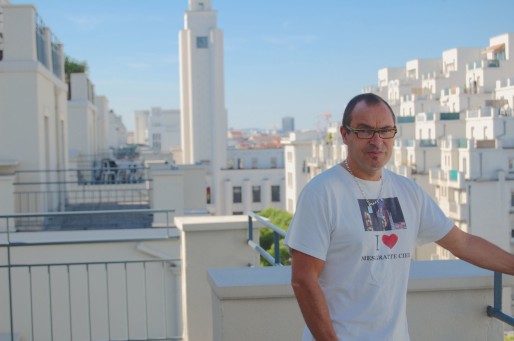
(141, 126)
(298, 148)
(116, 132)
(308, 153)
(102, 123)
(96, 130)
(82, 116)
(252, 180)
(164, 129)
(33, 95)
(455, 136)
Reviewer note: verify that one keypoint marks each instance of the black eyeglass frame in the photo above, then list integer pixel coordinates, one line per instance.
(375, 131)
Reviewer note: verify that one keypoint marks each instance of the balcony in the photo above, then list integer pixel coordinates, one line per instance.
(405, 119)
(485, 144)
(458, 212)
(427, 143)
(200, 281)
(447, 116)
(450, 178)
(424, 117)
(482, 64)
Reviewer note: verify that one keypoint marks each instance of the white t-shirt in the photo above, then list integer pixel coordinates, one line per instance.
(367, 251)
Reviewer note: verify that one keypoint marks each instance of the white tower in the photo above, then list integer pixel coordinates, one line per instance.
(202, 107)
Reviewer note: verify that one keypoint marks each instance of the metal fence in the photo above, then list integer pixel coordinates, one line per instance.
(117, 298)
(496, 309)
(87, 220)
(68, 190)
(278, 233)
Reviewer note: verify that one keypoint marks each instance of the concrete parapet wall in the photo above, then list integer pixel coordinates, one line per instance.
(209, 242)
(446, 300)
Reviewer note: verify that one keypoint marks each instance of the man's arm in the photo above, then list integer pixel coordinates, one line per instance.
(305, 273)
(477, 251)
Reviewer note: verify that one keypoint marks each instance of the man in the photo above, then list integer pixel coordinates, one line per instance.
(353, 232)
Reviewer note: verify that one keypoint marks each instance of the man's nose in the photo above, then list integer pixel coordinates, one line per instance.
(376, 139)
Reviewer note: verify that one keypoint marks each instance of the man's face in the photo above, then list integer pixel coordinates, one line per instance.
(366, 157)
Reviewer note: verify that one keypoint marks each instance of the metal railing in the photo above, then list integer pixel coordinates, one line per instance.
(114, 299)
(496, 310)
(85, 220)
(277, 234)
(60, 190)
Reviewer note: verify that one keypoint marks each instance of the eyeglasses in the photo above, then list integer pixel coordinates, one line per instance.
(385, 133)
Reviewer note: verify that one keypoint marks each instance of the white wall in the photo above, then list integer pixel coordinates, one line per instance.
(141, 126)
(32, 100)
(82, 116)
(163, 129)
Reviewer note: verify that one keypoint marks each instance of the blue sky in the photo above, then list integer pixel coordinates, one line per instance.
(282, 57)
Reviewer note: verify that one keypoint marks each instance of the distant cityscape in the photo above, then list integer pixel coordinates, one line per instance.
(68, 164)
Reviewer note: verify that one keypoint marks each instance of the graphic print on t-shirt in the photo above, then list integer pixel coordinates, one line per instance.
(383, 215)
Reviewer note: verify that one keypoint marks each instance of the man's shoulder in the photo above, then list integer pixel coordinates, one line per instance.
(327, 175)
(325, 180)
(400, 180)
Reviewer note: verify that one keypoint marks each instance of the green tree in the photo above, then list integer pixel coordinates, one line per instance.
(74, 66)
(280, 219)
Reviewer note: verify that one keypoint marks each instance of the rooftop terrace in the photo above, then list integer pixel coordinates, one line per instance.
(199, 281)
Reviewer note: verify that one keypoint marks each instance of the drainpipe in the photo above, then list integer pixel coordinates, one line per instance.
(480, 168)
(469, 208)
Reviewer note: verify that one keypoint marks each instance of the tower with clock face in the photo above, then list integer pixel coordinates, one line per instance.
(202, 94)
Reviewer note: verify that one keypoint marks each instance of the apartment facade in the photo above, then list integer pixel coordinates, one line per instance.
(33, 97)
(253, 180)
(82, 116)
(455, 136)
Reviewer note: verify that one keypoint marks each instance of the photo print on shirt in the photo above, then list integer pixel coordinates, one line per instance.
(384, 215)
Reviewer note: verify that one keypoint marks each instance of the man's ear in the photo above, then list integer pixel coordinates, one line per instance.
(344, 134)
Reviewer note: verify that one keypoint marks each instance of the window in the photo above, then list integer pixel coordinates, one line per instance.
(237, 195)
(202, 42)
(208, 194)
(289, 156)
(230, 164)
(156, 141)
(254, 162)
(273, 162)
(275, 193)
(512, 199)
(256, 193)
(305, 168)
(289, 179)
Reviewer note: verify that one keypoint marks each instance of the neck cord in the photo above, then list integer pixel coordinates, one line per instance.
(370, 203)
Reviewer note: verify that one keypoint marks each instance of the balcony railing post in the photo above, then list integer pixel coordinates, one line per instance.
(9, 275)
(496, 310)
(498, 291)
(277, 247)
(250, 228)
(277, 234)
